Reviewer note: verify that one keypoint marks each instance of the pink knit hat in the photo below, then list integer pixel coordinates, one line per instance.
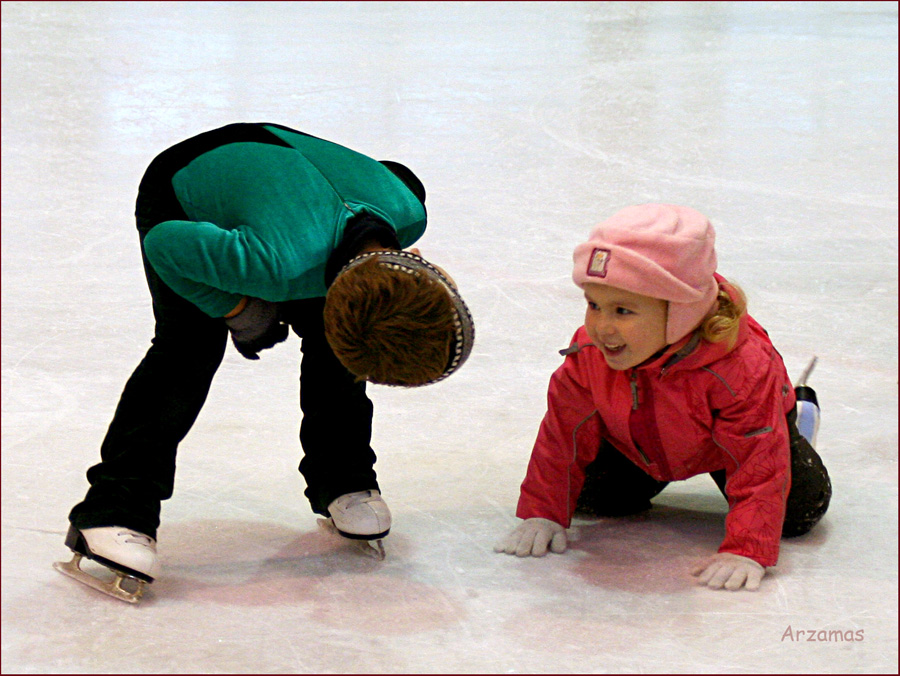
(657, 250)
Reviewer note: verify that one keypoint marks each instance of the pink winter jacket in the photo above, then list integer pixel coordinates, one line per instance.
(696, 409)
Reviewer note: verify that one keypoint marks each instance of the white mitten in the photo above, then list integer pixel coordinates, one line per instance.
(731, 571)
(532, 537)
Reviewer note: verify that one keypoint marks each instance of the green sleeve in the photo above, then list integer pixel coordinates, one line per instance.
(215, 267)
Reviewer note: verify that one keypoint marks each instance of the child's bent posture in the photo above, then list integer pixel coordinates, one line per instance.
(667, 379)
(253, 230)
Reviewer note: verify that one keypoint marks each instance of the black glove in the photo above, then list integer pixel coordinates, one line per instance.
(256, 327)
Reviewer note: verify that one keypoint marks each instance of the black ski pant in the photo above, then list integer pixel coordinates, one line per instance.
(164, 395)
(615, 486)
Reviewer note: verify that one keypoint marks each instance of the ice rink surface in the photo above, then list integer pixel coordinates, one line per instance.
(528, 123)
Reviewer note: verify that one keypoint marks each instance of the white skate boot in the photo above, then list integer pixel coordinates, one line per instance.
(129, 554)
(362, 516)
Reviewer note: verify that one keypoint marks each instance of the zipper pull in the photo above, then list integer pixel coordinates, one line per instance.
(634, 392)
(573, 349)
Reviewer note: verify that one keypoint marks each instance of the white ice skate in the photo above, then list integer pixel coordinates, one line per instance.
(127, 553)
(363, 517)
(807, 406)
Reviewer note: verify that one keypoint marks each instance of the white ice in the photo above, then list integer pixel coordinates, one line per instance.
(528, 123)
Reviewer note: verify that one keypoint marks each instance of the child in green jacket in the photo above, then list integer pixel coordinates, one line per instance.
(246, 230)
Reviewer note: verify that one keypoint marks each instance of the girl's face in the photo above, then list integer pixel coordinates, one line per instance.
(627, 328)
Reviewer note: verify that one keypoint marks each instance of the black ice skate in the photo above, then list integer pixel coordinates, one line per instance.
(127, 553)
(362, 517)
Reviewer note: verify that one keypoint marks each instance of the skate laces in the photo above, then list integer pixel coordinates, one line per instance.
(360, 498)
(133, 537)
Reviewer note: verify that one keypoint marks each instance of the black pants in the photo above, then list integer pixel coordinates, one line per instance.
(615, 486)
(164, 395)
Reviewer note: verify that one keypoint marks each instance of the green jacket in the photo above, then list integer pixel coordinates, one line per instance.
(263, 218)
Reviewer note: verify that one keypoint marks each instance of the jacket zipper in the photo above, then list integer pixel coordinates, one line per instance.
(634, 406)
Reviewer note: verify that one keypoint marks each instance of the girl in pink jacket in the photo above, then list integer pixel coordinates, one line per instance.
(667, 379)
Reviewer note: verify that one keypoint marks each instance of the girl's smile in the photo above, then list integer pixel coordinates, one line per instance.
(627, 327)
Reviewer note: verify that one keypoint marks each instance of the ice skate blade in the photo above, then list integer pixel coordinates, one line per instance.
(371, 548)
(112, 588)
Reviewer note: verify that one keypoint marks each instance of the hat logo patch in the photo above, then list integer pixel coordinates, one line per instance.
(598, 262)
